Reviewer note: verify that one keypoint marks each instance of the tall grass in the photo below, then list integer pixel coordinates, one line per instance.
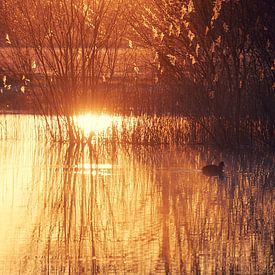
(133, 130)
(76, 56)
(214, 60)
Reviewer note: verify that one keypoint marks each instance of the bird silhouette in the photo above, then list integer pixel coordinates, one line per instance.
(214, 170)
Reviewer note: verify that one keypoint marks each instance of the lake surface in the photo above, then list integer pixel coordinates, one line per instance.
(130, 209)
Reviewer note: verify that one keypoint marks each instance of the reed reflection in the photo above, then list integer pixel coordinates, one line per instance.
(142, 210)
(145, 217)
(95, 221)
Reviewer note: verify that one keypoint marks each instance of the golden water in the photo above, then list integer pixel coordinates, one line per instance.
(110, 209)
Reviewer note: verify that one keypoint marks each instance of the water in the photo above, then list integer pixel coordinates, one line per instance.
(132, 209)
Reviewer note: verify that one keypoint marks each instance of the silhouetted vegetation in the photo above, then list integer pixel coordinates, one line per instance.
(216, 60)
(210, 61)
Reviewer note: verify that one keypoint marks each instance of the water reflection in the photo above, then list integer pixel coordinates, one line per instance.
(88, 209)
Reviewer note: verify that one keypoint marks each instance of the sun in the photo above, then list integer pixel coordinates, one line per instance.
(96, 124)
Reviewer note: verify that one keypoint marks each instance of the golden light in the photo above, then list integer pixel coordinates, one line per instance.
(97, 124)
(103, 169)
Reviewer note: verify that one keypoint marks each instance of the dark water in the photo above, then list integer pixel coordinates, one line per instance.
(110, 209)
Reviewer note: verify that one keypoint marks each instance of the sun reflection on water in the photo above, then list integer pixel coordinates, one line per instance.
(103, 169)
(68, 209)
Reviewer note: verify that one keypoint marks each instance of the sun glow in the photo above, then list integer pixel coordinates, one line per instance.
(97, 124)
(103, 169)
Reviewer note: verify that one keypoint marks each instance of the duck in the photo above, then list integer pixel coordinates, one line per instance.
(213, 170)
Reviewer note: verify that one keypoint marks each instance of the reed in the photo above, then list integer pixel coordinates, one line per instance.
(133, 130)
(75, 58)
